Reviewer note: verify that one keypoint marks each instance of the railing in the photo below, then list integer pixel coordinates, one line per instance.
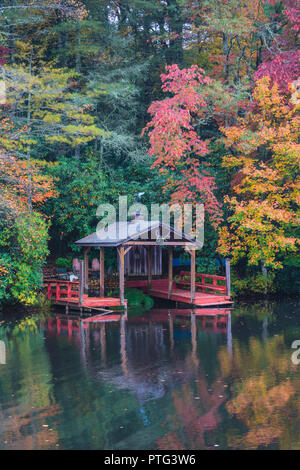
(66, 291)
(216, 284)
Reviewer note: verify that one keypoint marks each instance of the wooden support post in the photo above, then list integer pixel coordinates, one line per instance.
(49, 290)
(121, 273)
(86, 268)
(194, 339)
(2, 353)
(103, 342)
(123, 345)
(227, 270)
(101, 272)
(171, 331)
(81, 281)
(149, 253)
(193, 277)
(170, 277)
(150, 323)
(229, 334)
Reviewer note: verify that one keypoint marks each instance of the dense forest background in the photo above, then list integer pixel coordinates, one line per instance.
(184, 100)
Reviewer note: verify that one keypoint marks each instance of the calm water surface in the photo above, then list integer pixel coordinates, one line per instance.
(157, 380)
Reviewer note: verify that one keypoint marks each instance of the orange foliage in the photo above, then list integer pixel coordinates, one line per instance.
(21, 181)
(264, 152)
(259, 408)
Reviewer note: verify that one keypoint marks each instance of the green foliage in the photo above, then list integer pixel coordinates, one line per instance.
(32, 237)
(136, 298)
(23, 249)
(253, 285)
(287, 280)
(79, 81)
(207, 266)
(85, 184)
(26, 282)
(6, 276)
(64, 263)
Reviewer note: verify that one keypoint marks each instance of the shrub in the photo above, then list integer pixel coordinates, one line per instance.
(64, 263)
(23, 249)
(253, 285)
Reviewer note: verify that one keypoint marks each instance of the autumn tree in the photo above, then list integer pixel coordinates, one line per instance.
(47, 101)
(263, 156)
(23, 230)
(231, 35)
(77, 79)
(178, 151)
(281, 59)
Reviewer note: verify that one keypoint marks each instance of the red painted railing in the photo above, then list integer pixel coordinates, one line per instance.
(66, 291)
(207, 282)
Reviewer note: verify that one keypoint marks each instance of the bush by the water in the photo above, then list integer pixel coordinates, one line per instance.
(23, 249)
(136, 298)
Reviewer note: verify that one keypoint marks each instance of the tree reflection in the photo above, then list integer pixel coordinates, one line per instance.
(265, 393)
(170, 379)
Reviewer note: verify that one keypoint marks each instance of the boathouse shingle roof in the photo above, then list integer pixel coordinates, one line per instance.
(138, 230)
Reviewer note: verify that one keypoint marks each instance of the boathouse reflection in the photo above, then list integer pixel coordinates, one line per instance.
(164, 354)
(145, 344)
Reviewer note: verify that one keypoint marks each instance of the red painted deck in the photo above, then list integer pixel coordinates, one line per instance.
(159, 289)
(101, 302)
(67, 293)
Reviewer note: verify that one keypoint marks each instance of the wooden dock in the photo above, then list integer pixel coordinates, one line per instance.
(160, 288)
(67, 293)
(210, 290)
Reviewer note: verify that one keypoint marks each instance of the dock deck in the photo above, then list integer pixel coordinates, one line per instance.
(160, 289)
(67, 293)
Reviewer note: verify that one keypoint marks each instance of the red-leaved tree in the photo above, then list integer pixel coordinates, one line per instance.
(178, 151)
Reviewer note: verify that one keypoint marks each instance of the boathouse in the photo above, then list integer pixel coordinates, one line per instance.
(190, 287)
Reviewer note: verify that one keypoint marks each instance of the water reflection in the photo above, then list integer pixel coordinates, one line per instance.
(168, 379)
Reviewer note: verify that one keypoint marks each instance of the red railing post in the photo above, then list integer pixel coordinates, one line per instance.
(69, 291)
(57, 291)
(215, 283)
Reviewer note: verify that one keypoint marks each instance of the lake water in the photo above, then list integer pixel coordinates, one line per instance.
(157, 380)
